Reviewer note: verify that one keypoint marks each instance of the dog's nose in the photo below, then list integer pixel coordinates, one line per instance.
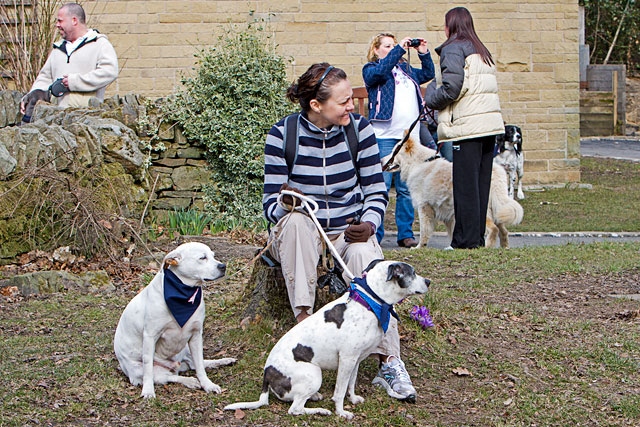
(222, 267)
(427, 282)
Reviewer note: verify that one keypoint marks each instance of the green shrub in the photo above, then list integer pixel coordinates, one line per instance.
(230, 104)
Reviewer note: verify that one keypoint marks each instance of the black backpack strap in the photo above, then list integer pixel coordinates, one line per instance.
(290, 139)
(351, 134)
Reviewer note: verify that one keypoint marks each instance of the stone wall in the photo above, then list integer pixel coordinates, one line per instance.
(178, 170)
(164, 166)
(534, 42)
(633, 105)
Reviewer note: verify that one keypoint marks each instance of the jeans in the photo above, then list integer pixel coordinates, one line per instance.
(446, 150)
(404, 205)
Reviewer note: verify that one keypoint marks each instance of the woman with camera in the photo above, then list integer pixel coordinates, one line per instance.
(395, 101)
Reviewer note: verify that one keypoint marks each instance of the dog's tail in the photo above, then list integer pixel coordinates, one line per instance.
(502, 208)
(264, 400)
(509, 212)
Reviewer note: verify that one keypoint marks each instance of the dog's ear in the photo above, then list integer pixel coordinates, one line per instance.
(172, 258)
(398, 271)
(372, 264)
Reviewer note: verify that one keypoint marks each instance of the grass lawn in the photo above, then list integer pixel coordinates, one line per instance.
(523, 337)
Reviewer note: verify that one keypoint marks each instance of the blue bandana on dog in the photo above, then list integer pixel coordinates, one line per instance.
(181, 299)
(382, 310)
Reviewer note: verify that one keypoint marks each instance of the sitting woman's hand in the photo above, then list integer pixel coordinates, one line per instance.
(288, 199)
(358, 232)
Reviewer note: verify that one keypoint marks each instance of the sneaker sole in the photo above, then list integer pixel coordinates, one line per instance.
(391, 392)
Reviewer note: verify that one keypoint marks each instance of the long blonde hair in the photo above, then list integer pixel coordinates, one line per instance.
(375, 44)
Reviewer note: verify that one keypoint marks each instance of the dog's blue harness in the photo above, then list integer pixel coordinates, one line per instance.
(382, 310)
(181, 299)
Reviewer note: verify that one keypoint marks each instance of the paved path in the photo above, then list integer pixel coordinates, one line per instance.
(439, 240)
(623, 148)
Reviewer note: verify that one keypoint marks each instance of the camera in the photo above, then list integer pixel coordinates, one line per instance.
(415, 42)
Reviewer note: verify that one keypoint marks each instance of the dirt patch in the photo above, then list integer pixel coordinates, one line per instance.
(493, 350)
(237, 245)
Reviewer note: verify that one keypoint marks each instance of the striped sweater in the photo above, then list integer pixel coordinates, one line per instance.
(323, 170)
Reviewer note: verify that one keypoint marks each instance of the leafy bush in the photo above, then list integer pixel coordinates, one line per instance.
(230, 104)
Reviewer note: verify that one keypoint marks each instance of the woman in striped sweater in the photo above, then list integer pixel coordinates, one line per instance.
(350, 192)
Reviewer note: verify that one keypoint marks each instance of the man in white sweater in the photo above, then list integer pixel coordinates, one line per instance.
(80, 66)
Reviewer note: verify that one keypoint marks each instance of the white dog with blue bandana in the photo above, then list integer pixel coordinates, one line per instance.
(160, 331)
(338, 336)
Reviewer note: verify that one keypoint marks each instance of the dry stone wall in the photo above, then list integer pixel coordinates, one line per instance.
(165, 167)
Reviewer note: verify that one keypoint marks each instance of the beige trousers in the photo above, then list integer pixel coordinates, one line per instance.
(297, 245)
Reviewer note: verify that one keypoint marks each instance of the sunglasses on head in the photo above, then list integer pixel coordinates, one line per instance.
(324, 75)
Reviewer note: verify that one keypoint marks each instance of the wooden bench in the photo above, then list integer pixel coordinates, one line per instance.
(361, 99)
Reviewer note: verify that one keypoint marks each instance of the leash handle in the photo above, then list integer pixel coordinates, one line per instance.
(311, 207)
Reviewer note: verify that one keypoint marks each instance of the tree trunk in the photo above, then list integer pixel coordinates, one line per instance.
(266, 294)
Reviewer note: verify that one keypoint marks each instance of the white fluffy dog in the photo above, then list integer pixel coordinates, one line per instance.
(430, 183)
(338, 336)
(160, 331)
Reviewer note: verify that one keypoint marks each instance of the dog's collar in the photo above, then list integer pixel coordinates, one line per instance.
(181, 299)
(373, 302)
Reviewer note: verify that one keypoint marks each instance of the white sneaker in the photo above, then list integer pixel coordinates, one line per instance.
(395, 379)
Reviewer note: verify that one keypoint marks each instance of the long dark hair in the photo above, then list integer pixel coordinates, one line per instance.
(460, 24)
(315, 83)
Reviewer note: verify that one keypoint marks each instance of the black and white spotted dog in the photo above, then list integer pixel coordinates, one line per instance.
(509, 155)
(338, 336)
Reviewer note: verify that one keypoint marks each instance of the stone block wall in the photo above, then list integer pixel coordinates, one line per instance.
(534, 42)
(177, 173)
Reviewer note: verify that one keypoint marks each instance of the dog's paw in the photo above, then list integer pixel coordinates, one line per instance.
(355, 399)
(345, 414)
(316, 397)
(148, 393)
(190, 382)
(209, 387)
(219, 362)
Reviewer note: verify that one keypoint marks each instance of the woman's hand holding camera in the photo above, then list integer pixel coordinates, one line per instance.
(418, 44)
